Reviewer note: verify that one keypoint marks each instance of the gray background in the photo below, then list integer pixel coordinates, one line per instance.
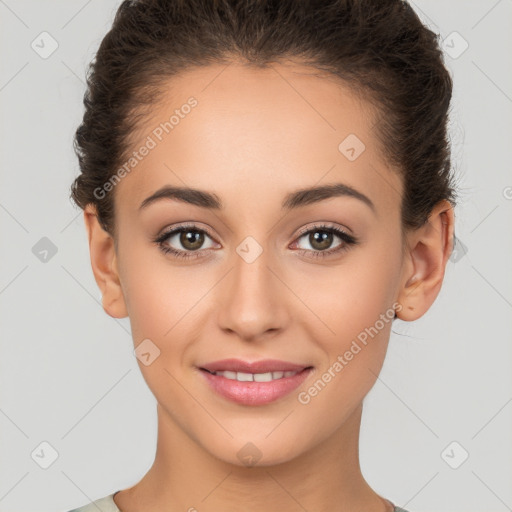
(68, 375)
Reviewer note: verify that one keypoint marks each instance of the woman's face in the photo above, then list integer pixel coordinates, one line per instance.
(263, 277)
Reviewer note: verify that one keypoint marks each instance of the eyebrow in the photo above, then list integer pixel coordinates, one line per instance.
(293, 200)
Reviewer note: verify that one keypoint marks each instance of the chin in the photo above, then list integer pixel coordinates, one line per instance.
(250, 452)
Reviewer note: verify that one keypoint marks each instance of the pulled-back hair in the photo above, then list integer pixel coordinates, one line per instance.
(379, 48)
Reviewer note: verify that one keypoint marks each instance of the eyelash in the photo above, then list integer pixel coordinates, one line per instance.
(348, 241)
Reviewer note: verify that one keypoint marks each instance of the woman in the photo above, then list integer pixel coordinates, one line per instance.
(266, 186)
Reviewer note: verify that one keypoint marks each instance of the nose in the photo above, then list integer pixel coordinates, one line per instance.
(252, 301)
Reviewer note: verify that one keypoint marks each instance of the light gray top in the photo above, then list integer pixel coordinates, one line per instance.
(107, 504)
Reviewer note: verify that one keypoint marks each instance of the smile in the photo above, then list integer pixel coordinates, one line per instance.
(254, 388)
(254, 377)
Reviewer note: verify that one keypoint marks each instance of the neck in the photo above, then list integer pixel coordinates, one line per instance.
(185, 476)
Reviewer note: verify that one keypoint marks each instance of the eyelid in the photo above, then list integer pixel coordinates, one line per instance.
(199, 227)
(340, 232)
(346, 238)
(324, 225)
(180, 254)
(193, 226)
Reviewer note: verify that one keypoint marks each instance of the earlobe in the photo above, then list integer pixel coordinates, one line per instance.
(104, 265)
(429, 248)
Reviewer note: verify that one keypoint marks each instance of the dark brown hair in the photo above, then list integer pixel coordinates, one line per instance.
(379, 48)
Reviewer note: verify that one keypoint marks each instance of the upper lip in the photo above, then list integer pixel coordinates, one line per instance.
(263, 366)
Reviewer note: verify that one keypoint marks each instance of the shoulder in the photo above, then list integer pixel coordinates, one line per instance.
(106, 504)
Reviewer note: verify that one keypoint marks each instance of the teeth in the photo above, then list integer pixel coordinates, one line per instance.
(256, 377)
(266, 377)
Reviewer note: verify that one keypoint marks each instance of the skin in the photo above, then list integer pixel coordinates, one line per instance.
(255, 136)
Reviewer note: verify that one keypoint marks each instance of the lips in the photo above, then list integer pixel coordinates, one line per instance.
(263, 366)
(256, 382)
(243, 390)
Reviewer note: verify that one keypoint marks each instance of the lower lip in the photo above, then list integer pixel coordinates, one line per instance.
(255, 393)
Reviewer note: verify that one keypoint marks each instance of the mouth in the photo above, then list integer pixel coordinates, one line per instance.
(255, 383)
(255, 377)
(254, 367)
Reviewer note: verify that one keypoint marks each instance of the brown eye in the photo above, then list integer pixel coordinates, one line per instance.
(320, 240)
(185, 242)
(191, 240)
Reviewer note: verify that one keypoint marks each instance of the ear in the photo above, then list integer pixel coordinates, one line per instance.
(104, 264)
(427, 251)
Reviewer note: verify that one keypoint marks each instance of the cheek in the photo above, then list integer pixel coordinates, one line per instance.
(353, 355)
(157, 294)
(353, 303)
(351, 296)
(163, 305)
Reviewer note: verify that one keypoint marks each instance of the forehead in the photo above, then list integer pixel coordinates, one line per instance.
(260, 132)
